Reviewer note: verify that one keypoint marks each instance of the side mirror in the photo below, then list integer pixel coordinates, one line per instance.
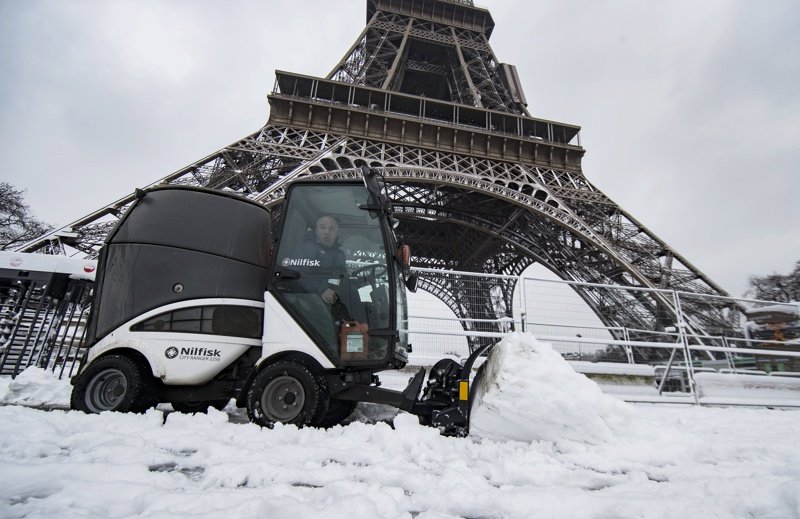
(411, 282)
(404, 256)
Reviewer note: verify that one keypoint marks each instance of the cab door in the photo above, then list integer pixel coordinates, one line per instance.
(333, 274)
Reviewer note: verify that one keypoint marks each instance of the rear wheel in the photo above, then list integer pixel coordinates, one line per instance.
(285, 392)
(113, 383)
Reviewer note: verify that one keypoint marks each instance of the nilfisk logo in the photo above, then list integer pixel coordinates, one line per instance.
(299, 262)
(197, 353)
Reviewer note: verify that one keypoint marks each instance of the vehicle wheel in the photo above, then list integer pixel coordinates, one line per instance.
(199, 407)
(285, 392)
(324, 402)
(338, 410)
(114, 383)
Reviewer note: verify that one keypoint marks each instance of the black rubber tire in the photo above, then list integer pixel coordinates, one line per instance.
(114, 383)
(284, 392)
(338, 411)
(199, 407)
(324, 403)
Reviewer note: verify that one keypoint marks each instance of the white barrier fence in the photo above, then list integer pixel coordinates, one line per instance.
(685, 348)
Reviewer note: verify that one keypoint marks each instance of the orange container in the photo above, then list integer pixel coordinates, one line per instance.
(353, 341)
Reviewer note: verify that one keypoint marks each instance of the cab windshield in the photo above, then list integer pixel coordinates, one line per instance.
(334, 274)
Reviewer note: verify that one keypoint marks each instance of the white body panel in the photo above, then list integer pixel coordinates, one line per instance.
(282, 333)
(180, 358)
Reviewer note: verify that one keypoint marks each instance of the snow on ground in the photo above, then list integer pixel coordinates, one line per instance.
(546, 444)
(35, 387)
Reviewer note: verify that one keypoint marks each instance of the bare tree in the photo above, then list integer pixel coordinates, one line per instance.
(17, 224)
(777, 287)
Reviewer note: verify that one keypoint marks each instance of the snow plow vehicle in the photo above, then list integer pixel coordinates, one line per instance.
(198, 302)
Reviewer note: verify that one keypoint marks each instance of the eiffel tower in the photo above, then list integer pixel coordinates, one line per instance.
(478, 183)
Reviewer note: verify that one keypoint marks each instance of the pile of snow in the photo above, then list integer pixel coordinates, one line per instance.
(583, 462)
(35, 387)
(529, 392)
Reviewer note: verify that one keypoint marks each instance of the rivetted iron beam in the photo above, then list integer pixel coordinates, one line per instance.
(355, 45)
(476, 99)
(397, 60)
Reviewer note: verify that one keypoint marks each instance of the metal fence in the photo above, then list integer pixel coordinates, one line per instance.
(683, 334)
(42, 324)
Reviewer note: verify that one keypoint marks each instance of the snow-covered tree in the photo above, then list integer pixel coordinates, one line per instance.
(17, 224)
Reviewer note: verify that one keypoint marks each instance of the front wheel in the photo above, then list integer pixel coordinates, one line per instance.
(284, 392)
(113, 383)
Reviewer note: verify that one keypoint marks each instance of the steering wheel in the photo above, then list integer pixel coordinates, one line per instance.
(376, 269)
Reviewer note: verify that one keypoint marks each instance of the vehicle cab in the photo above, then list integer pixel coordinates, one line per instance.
(339, 274)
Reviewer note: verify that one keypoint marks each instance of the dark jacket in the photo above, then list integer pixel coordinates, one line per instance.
(327, 267)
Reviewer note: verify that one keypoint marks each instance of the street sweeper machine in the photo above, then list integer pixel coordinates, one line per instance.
(198, 302)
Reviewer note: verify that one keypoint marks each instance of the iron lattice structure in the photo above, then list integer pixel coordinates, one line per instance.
(479, 185)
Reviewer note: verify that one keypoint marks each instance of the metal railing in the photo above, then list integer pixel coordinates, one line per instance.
(676, 344)
(37, 329)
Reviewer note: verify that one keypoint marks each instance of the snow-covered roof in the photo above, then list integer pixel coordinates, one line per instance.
(775, 313)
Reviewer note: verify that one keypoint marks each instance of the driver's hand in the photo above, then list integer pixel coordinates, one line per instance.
(329, 296)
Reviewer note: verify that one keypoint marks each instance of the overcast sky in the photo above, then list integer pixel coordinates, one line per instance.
(690, 109)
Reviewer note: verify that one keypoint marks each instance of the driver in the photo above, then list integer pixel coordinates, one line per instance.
(323, 248)
(325, 275)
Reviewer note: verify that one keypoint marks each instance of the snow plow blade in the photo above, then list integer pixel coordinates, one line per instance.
(447, 399)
